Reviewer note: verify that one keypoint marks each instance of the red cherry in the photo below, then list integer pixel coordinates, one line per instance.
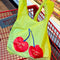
(19, 39)
(35, 52)
(20, 45)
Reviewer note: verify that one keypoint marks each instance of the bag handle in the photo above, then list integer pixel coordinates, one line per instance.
(22, 9)
(48, 6)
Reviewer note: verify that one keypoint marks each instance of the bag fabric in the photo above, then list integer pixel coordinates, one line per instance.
(28, 28)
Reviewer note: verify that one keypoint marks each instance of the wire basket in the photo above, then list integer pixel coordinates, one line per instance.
(7, 19)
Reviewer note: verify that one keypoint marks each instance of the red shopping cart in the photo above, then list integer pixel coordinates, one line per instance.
(7, 19)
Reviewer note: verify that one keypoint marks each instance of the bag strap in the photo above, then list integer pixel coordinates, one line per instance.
(22, 9)
(48, 6)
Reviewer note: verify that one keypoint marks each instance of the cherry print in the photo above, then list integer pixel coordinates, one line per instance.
(20, 45)
(35, 52)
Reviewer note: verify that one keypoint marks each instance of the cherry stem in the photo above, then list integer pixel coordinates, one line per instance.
(32, 37)
(27, 37)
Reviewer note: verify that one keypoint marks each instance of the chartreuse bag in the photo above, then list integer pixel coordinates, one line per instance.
(29, 38)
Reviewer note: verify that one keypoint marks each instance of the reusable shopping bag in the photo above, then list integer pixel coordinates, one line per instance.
(29, 38)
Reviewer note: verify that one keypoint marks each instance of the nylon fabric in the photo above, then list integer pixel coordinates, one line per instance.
(39, 29)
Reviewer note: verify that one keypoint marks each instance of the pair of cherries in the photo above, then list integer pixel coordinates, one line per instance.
(21, 45)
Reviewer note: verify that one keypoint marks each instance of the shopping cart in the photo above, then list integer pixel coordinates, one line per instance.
(7, 19)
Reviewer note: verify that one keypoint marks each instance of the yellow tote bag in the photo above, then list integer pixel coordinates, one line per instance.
(29, 38)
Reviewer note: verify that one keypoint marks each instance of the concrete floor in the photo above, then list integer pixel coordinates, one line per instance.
(2, 7)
